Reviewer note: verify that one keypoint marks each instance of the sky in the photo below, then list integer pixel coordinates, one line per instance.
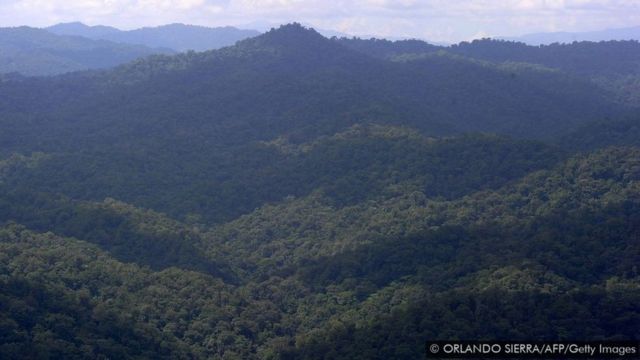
(434, 20)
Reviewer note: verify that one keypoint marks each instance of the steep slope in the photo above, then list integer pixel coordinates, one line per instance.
(206, 116)
(65, 298)
(178, 37)
(297, 81)
(32, 51)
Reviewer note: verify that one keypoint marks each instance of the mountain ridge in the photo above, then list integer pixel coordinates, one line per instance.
(32, 51)
(547, 38)
(178, 37)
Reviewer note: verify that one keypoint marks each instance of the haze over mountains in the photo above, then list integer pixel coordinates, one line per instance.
(74, 46)
(30, 51)
(298, 197)
(631, 33)
(178, 37)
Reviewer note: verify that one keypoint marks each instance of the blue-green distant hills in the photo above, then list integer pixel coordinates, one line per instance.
(178, 37)
(31, 51)
(72, 47)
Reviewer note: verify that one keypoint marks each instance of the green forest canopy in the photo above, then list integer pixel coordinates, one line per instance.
(274, 200)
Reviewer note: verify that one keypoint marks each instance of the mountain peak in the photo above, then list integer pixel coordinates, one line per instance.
(294, 26)
(293, 32)
(305, 44)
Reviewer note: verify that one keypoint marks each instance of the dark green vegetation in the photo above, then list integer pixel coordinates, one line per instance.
(604, 58)
(293, 198)
(611, 64)
(32, 51)
(178, 37)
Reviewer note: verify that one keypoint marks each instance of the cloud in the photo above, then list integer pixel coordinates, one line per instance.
(443, 20)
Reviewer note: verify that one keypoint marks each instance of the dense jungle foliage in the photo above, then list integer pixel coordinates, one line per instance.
(296, 197)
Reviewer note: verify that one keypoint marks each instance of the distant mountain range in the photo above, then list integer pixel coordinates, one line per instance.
(631, 33)
(75, 46)
(178, 37)
(31, 51)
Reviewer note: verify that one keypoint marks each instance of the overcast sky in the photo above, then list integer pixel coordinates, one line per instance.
(436, 20)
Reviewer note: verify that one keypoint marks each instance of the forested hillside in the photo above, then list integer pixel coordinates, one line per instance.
(581, 58)
(224, 110)
(613, 65)
(31, 51)
(304, 273)
(294, 197)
